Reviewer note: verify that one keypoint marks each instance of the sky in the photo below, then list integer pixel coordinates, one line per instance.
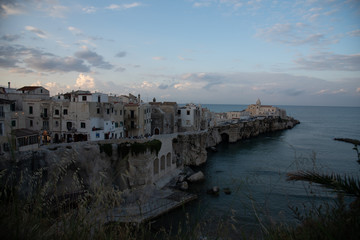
(293, 52)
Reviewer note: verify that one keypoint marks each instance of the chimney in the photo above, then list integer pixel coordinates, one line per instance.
(9, 85)
(139, 98)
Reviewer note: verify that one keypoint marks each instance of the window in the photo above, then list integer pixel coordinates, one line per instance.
(120, 112)
(187, 122)
(45, 125)
(188, 112)
(13, 123)
(115, 112)
(2, 114)
(6, 147)
(30, 109)
(31, 123)
(82, 125)
(84, 98)
(69, 126)
(1, 129)
(98, 110)
(112, 110)
(179, 112)
(132, 113)
(57, 112)
(65, 112)
(99, 98)
(116, 124)
(56, 123)
(132, 124)
(108, 111)
(12, 107)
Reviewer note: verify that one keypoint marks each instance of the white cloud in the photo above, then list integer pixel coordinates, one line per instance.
(358, 90)
(38, 32)
(75, 30)
(85, 82)
(90, 9)
(294, 34)
(7, 9)
(330, 62)
(123, 6)
(158, 58)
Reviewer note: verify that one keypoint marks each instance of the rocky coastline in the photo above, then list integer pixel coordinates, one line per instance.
(138, 168)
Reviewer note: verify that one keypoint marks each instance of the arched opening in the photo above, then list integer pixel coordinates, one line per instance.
(168, 160)
(156, 131)
(156, 166)
(225, 137)
(56, 138)
(69, 138)
(162, 163)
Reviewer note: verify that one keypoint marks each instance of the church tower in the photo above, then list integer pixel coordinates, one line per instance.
(258, 102)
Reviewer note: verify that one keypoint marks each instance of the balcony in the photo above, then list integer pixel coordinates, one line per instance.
(44, 115)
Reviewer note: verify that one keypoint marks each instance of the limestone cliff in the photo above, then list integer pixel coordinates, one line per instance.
(191, 148)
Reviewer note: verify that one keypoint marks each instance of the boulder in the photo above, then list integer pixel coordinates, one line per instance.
(199, 176)
(184, 186)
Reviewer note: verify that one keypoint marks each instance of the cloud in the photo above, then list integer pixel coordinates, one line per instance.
(37, 31)
(57, 64)
(293, 34)
(185, 59)
(120, 54)
(89, 10)
(56, 11)
(355, 33)
(8, 62)
(9, 7)
(158, 58)
(75, 31)
(123, 6)
(330, 62)
(93, 58)
(358, 90)
(120, 69)
(202, 4)
(85, 82)
(10, 37)
(20, 70)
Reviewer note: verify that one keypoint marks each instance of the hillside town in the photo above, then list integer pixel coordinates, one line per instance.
(30, 117)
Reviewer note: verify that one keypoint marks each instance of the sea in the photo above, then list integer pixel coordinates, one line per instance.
(255, 170)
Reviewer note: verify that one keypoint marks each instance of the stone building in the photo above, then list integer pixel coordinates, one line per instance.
(5, 124)
(258, 110)
(84, 116)
(164, 117)
(241, 115)
(137, 117)
(189, 118)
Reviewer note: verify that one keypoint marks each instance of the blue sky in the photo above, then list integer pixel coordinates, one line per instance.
(300, 52)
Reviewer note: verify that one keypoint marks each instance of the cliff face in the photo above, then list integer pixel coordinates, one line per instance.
(121, 164)
(71, 168)
(191, 148)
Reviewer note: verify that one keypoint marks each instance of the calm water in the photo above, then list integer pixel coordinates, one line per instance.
(255, 169)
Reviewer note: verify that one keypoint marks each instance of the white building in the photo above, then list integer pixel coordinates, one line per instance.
(189, 118)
